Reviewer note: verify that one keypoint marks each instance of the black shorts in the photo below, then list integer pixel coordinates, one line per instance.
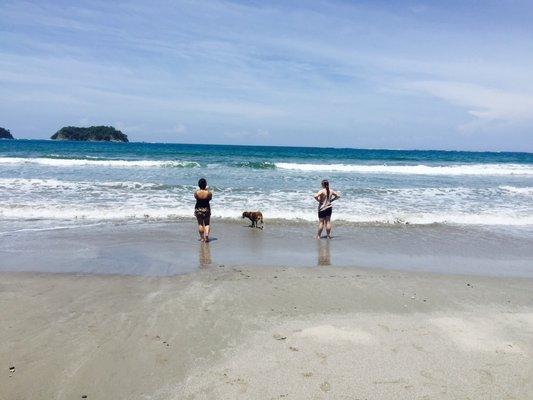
(325, 213)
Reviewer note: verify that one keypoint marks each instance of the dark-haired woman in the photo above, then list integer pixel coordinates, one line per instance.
(325, 197)
(202, 209)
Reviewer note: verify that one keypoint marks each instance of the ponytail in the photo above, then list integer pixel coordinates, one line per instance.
(325, 185)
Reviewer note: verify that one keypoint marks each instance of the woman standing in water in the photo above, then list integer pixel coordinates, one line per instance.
(202, 209)
(325, 197)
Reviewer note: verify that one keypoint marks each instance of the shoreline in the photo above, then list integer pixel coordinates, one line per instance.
(265, 332)
(172, 248)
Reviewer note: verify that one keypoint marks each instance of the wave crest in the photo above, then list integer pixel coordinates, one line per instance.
(256, 165)
(462, 169)
(78, 162)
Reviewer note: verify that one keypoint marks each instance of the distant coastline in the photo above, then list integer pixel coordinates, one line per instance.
(90, 134)
(5, 134)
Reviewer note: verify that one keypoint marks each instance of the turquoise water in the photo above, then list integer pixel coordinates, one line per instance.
(51, 181)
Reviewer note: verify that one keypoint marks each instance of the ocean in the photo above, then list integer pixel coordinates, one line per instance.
(88, 181)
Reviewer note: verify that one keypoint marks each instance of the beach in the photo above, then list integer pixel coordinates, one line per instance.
(165, 248)
(424, 292)
(266, 333)
(266, 200)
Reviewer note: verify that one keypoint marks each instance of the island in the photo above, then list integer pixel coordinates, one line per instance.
(5, 134)
(91, 134)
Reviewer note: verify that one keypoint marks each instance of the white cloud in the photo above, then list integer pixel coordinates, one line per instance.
(295, 69)
(249, 136)
(484, 103)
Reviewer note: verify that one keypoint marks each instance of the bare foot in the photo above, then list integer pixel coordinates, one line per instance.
(317, 237)
(206, 239)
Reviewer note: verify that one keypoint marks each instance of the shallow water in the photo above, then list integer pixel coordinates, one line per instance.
(63, 181)
(169, 248)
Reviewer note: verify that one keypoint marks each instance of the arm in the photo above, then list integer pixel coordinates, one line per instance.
(196, 195)
(209, 195)
(335, 196)
(318, 196)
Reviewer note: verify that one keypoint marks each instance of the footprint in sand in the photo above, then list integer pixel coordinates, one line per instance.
(325, 386)
(323, 358)
(485, 376)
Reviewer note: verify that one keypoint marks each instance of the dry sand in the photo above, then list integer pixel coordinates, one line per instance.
(266, 333)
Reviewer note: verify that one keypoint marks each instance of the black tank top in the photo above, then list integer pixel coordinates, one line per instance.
(202, 203)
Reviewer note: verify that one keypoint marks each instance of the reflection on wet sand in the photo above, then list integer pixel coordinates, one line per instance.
(204, 258)
(324, 255)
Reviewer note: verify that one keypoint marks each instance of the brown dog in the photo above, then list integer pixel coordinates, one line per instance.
(255, 217)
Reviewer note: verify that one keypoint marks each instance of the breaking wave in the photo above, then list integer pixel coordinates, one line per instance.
(68, 162)
(256, 165)
(454, 170)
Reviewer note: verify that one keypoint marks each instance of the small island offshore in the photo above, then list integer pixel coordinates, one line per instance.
(92, 134)
(5, 134)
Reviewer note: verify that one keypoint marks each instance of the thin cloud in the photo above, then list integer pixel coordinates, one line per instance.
(294, 70)
(484, 103)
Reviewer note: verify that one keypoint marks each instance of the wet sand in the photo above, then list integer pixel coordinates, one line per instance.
(169, 248)
(266, 333)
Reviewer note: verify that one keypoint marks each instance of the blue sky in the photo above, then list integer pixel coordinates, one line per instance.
(371, 74)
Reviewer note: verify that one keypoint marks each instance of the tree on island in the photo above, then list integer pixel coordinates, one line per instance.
(93, 133)
(5, 134)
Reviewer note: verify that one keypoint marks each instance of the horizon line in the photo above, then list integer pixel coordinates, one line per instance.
(280, 146)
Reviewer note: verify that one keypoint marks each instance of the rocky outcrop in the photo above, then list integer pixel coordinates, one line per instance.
(5, 134)
(91, 134)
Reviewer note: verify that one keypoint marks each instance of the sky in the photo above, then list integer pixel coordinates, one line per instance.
(452, 75)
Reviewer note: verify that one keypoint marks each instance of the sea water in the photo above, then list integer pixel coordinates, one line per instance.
(91, 182)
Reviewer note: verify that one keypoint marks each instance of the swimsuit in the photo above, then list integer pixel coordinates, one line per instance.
(202, 209)
(325, 213)
(325, 208)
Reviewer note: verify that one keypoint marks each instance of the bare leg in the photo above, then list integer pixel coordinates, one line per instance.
(206, 233)
(328, 227)
(320, 228)
(201, 232)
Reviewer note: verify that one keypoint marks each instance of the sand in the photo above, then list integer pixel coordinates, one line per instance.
(157, 248)
(266, 333)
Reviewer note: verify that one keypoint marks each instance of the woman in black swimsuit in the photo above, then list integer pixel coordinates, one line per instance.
(325, 197)
(202, 209)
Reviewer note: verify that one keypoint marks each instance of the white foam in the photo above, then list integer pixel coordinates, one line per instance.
(528, 191)
(172, 211)
(64, 162)
(40, 184)
(66, 200)
(462, 169)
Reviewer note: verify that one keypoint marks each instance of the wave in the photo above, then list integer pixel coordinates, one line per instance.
(70, 162)
(518, 190)
(462, 169)
(443, 170)
(145, 212)
(36, 184)
(256, 165)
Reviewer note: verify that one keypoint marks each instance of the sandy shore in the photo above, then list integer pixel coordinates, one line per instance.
(170, 248)
(266, 333)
